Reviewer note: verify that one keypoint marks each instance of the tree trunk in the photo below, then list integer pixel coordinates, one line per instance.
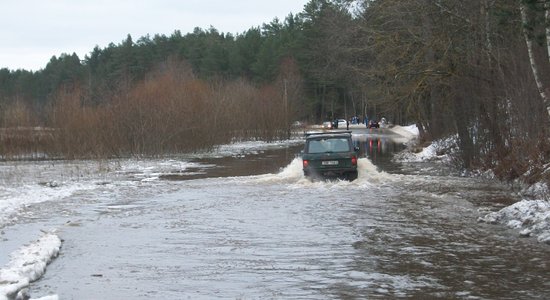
(433, 114)
(532, 60)
(547, 28)
(465, 140)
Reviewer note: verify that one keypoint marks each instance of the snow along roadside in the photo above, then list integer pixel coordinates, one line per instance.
(531, 217)
(26, 265)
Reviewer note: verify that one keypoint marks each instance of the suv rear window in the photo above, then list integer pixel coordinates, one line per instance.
(328, 145)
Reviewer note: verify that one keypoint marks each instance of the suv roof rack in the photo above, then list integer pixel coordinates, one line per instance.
(308, 133)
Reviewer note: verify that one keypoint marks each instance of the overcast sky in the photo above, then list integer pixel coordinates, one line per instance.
(32, 31)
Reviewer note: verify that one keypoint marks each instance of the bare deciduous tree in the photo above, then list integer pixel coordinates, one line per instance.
(528, 33)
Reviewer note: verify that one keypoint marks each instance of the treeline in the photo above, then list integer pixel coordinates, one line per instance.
(171, 111)
(477, 69)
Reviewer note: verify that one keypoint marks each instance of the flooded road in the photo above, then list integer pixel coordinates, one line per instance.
(250, 226)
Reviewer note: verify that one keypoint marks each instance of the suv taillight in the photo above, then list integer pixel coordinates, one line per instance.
(305, 163)
(354, 160)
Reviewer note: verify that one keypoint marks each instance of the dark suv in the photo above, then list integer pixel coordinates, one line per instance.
(330, 155)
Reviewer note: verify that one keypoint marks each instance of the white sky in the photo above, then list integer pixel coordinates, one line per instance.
(32, 31)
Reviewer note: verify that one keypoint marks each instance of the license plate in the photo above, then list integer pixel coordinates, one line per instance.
(329, 162)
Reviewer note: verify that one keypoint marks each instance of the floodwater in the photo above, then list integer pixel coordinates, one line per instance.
(251, 227)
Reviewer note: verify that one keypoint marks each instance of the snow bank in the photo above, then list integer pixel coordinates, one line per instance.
(428, 153)
(539, 190)
(26, 265)
(437, 150)
(13, 199)
(410, 132)
(529, 217)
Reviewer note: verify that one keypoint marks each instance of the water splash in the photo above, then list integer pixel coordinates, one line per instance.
(368, 174)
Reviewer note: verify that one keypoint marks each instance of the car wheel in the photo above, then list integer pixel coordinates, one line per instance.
(351, 176)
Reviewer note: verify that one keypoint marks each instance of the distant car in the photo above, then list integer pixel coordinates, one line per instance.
(330, 155)
(327, 125)
(342, 123)
(373, 124)
(339, 123)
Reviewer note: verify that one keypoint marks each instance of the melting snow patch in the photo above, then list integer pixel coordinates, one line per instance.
(26, 265)
(439, 150)
(538, 190)
(409, 132)
(242, 149)
(530, 217)
(14, 198)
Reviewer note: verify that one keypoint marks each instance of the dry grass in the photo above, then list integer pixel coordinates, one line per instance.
(169, 113)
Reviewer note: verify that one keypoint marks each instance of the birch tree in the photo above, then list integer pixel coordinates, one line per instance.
(529, 24)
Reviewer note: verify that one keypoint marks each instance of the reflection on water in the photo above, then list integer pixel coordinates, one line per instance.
(379, 149)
